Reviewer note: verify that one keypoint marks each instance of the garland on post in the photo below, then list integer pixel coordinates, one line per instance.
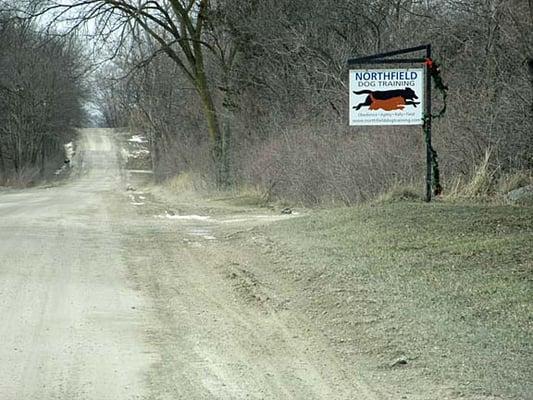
(434, 72)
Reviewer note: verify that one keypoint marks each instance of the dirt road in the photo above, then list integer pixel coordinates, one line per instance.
(108, 294)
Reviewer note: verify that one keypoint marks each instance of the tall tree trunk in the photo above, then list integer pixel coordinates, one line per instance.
(216, 137)
(226, 150)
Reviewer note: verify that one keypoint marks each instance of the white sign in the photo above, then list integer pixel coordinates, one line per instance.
(387, 96)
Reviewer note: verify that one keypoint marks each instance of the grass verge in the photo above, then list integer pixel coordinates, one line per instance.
(444, 287)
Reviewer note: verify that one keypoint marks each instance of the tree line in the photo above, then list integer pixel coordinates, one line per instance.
(254, 93)
(41, 99)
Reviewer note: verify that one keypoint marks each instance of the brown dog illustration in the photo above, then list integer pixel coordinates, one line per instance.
(388, 100)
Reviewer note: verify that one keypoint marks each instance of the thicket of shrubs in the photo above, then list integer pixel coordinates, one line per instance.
(284, 95)
(40, 100)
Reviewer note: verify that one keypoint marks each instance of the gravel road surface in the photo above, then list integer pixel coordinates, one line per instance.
(104, 295)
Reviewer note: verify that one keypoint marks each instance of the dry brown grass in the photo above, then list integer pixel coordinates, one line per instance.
(445, 286)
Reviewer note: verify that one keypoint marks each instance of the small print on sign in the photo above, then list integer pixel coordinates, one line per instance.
(387, 96)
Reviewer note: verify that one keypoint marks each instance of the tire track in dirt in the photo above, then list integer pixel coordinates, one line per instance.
(221, 333)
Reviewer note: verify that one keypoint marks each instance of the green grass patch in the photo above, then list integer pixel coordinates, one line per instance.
(448, 286)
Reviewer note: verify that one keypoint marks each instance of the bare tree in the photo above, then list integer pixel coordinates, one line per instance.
(274, 72)
(40, 97)
(178, 27)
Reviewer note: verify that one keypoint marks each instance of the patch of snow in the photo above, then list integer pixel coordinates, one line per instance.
(69, 150)
(186, 217)
(138, 139)
(137, 204)
(139, 153)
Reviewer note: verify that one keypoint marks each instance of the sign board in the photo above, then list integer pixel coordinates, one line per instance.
(387, 96)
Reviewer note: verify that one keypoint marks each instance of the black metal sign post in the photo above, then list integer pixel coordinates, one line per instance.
(384, 58)
(427, 125)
